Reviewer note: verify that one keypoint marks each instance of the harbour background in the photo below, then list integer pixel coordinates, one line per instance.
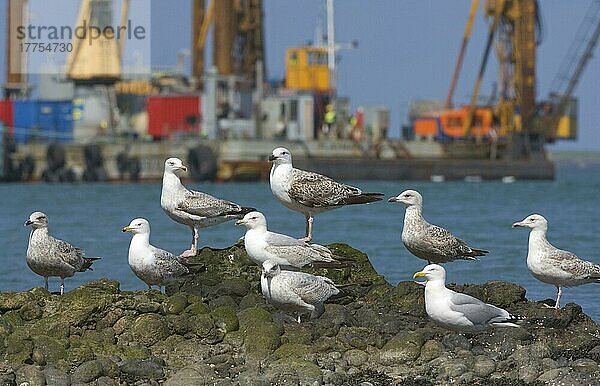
(91, 216)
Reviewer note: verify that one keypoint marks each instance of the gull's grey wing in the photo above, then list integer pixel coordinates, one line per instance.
(559, 255)
(278, 239)
(313, 289)
(478, 312)
(167, 264)
(570, 263)
(205, 205)
(297, 252)
(316, 190)
(439, 241)
(66, 252)
(297, 256)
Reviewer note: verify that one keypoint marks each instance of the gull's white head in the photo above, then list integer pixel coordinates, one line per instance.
(173, 165)
(408, 198)
(432, 272)
(253, 220)
(138, 225)
(37, 220)
(270, 268)
(281, 156)
(534, 221)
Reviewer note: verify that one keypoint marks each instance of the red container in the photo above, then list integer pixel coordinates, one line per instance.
(7, 113)
(173, 114)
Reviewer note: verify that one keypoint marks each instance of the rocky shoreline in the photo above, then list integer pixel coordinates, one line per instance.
(215, 328)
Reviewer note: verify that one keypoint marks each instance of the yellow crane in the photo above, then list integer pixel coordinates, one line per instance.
(237, 36)
(517, 120)
(100, 62)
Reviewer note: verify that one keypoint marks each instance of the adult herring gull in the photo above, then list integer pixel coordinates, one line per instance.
(295, 291)
(555, 266)
(191, 208)
(456, 311)
(49, 256)
(427, 241)
(152, 265)
(262, 245)
(311, 193)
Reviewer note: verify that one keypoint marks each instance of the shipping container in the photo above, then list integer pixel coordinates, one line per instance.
(25, 120)
(168, 115)
(7, 114)
(55, 119)
(43, 121)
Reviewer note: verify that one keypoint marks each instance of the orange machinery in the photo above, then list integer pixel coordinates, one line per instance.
(450, 124)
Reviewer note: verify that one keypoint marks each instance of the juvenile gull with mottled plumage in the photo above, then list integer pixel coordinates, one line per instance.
(311, 193)
(191, 208)
(456, 311)
(427, 241)
(262, 245)
(555, 266)
(49, 256)
(295, 291)
(154, 266)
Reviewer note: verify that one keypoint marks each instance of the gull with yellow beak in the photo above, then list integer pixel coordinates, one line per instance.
(191, 208)
(456, 311)
(262, 245)
(154, 266)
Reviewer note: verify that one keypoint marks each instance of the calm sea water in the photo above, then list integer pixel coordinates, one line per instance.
(91, 216)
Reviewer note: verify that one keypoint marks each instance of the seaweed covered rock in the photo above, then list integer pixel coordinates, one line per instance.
(214, 327)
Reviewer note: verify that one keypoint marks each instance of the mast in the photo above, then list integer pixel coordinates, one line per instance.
(331, 48)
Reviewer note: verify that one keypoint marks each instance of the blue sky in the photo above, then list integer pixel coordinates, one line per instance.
(406, 50)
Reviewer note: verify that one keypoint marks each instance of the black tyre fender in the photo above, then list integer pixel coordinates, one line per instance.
(202, 163)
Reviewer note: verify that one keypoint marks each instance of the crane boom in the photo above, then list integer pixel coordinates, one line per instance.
(578, 57)
(461, 55)
(473, 105)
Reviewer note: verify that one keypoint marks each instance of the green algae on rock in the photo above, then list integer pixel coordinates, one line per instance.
(215, 327)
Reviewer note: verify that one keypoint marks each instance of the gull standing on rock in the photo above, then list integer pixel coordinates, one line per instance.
(430, 242)
(191, 208)
(456, 311)
(152, 265)
(311, 193)
(295, 291)
(262, 245)
(48, 256)
(554, 266)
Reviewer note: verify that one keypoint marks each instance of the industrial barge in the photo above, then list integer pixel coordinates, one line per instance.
(224, 119)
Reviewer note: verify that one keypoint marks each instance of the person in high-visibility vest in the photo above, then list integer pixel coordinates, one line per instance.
(329, 119)
(358, 128)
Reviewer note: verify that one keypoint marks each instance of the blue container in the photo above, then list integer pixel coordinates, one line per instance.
(25, 120)
(56, 121)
